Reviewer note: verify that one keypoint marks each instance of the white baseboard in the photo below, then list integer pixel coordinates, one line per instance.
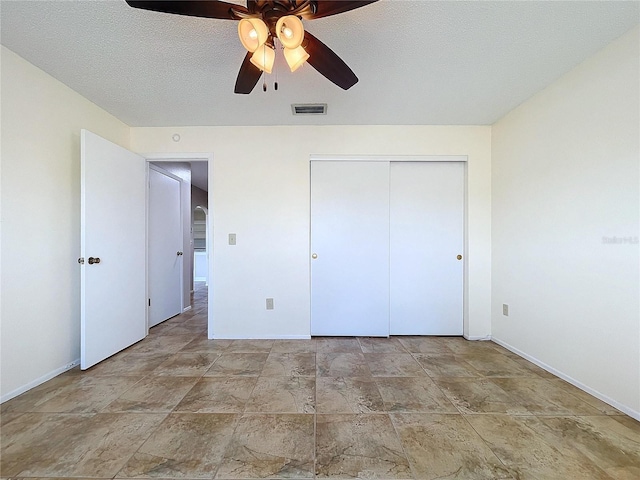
(39, 381)
(481, 339)
(186, 309)
(261, 337)
(623, 408)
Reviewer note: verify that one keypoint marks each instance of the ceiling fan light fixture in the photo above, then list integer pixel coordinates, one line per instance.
(295, 57)
(263, 58)
(253, 32)
(290, 31)
(260, 23)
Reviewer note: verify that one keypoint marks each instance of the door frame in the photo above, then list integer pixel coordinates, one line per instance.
(181, 183)
(192, 157)
(415, 158)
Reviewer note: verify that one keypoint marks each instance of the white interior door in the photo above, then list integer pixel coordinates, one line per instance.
(350, 238)
(113, 290)
(427, 221)
(165, 246)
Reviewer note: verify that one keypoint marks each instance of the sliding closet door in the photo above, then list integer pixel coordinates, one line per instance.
(426, 224)
(350, 248)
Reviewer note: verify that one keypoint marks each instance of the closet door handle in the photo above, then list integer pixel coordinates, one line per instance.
(179, 253)
(93, 260)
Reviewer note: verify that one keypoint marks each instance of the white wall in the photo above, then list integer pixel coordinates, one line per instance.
(261, 193)
(565, 176)
(40, 285)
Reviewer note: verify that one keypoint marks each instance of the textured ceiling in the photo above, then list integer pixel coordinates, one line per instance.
(419, 62)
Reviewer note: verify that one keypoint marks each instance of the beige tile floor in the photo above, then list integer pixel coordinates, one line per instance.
(177, 405)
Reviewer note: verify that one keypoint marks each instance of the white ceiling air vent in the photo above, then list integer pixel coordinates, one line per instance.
(309, 108)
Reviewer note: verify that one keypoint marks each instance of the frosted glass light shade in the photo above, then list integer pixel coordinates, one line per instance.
(295, 57)
(263, 58)
(290, 31)
(253, 32)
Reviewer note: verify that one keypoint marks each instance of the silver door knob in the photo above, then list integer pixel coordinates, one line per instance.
(314, 256)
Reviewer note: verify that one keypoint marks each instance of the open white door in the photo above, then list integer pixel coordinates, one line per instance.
(165, 246)
(113, 289)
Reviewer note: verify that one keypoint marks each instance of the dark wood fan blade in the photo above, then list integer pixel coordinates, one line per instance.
(251, 5)
(326, 62)
(333, 7)
(248, 76)
(193, 8)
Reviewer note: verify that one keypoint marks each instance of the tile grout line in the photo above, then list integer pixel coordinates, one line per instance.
(315, 416)
(487, 444)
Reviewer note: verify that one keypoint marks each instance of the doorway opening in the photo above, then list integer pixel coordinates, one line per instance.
(196, 246)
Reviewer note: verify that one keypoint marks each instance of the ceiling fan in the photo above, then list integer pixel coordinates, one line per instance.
(263, 21)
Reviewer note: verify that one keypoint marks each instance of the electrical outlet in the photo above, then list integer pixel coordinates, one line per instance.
(505, 309)
(232, 239)
(269, 303)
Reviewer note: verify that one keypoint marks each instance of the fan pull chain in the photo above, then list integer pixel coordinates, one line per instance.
(264, 74)
(275, 84)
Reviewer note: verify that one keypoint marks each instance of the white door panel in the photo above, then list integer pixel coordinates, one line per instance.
(350, 236)
(113, 291)
(165, 246)
(427, 221)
